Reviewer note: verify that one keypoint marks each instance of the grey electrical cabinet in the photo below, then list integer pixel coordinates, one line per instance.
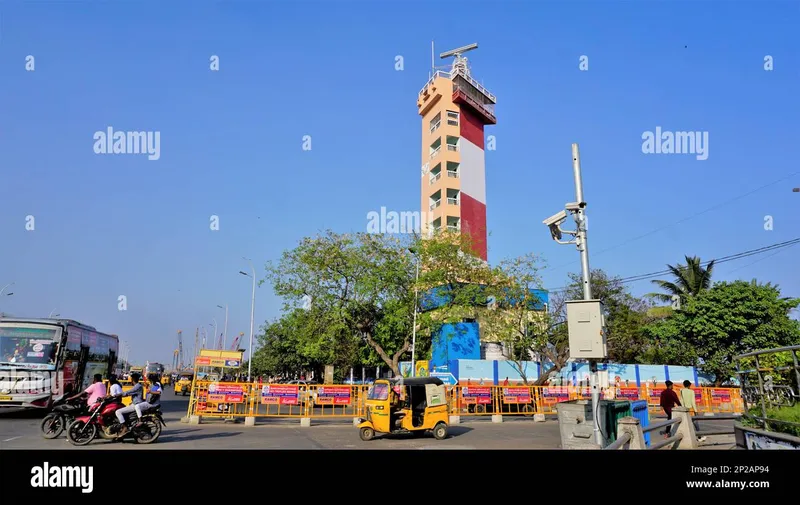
(586, 325)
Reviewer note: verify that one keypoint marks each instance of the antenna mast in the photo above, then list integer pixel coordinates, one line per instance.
(460, 61)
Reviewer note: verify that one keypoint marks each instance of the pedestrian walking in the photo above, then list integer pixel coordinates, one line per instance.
(668, 401)
(688, 400)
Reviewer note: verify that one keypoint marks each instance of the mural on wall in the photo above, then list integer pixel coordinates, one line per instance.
(515, 370)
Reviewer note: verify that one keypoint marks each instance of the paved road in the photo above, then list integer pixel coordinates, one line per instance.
(21, 431)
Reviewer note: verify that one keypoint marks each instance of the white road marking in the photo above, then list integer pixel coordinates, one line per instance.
(10, 439)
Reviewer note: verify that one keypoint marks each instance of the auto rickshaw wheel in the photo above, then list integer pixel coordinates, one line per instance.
(440, 431)
(367, 434)
(480, 409)
(528, 410)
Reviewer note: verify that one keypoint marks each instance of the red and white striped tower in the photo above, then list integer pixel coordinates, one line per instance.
(455, 108)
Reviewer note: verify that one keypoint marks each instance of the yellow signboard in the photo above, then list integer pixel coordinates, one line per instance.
(217, 362)
(421, 369)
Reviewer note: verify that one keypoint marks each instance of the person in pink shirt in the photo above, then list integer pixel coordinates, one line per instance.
(95, 391)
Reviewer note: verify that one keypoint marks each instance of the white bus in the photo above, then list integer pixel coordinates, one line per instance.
(41, 359)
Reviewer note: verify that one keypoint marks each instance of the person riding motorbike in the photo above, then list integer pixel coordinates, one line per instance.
(153, 400)
(136, 393)
(94, 392)
(116, 388)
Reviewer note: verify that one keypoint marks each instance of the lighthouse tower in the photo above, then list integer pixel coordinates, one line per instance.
(455, 108)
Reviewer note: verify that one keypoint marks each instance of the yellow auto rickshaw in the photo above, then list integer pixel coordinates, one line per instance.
(166, 379)
(399, 406)
(183, 385)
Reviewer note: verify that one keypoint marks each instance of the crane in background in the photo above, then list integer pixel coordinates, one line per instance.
(219, 341)
(236, 341)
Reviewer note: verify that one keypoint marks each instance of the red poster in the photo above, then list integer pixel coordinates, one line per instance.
(333, 395)
(272, 394)
(556, 393)
(476, 395)
(516, 395)
(629, 393)
(720, 395)
(222, 393)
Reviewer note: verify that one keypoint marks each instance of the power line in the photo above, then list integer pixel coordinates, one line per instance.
(715, 207)
(717, 261)
(760, 259)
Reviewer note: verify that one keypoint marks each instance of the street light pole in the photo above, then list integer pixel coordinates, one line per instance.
(252, 319)
(414, 328)
(214, 340)
(7, 285)
(4, 288)
(225, 331)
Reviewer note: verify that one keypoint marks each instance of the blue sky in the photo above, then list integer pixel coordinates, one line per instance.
(231, 141)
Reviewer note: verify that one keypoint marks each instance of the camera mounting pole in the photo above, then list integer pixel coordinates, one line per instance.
(583, 247)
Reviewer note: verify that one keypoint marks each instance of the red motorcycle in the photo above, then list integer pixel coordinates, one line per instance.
(102, 422)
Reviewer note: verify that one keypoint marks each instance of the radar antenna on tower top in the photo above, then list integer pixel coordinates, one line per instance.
(460, 62)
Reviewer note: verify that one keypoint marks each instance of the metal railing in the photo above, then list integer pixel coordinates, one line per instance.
(672, 440)
(435, 126)
(452, 147)
(452, 173)
(452, 201)
(435, 177)
(619, 443)
(437, 74)
(435, 152)
(436, 204)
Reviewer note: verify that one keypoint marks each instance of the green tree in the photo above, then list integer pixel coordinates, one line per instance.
(689, 280)
(728, 319)
(360, 290)
(517, 319)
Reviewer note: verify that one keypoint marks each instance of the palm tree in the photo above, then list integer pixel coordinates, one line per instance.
(689, 280)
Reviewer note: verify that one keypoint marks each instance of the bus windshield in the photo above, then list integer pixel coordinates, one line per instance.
(23, 347)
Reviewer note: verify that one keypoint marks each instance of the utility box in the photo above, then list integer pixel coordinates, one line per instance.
(586, 326)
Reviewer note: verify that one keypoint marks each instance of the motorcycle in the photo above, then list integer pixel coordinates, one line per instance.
(64, 412)
(102, 422)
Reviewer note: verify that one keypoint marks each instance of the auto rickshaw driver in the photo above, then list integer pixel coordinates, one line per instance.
(397, 406)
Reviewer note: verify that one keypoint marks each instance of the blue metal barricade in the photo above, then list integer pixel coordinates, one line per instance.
(640, 412)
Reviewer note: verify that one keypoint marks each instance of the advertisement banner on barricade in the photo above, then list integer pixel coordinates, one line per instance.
(628, 393)
(720, 395)
(333, 395)
(516, 395)
(272, 394)
(476, 395)
(225, 393)
(555, 394)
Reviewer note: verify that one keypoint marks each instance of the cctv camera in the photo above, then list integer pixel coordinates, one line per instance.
(555, 232)
(575, 206)
(556, 219)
